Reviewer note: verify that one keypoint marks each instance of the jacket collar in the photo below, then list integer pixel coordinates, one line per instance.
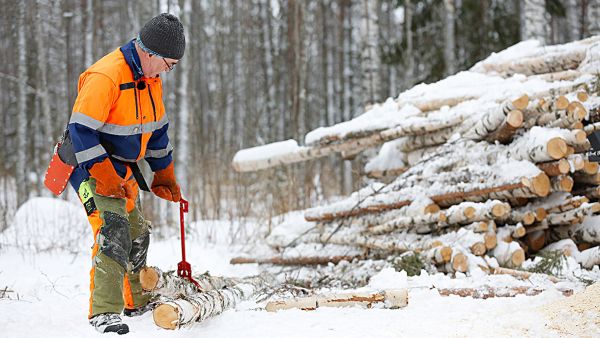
(133, 59)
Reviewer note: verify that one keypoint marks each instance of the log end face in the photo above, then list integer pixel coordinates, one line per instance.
(396, 299)
(148, 278)
(446, 253)
(518, 257)
(557, 148)
(166, 316)
(541, 185)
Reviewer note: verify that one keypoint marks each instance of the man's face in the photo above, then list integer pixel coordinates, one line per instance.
(152, 65)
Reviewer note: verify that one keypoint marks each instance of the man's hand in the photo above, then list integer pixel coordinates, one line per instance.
(108, 182)
(165, 186)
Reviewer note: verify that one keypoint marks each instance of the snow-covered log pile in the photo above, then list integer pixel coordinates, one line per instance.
(481, 169)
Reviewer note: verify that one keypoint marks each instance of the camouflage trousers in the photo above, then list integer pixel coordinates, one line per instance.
(121, 239)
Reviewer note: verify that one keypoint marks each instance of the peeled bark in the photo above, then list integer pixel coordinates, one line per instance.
(486, 292)
(387, 299)
(311, 260)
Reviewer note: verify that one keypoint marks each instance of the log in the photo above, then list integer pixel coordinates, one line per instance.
(508, 128)
(501, 122)
(554, 148)
(537, 186)
(562, 183)
(564, 75)
(590, 257)
(569, 204)
(555, 168)
(549, 62)
(354, 145)
(576, 162)
(459, 261)
(486, 292)
(168, 284)
(509, 254)
(439, 255)
(414, 142)
(407, 222)
(571, 216)
(582, 95)
(490, 240)
(588, 192)
(523, 274)
(387, 299)
(312, 260)
(188, 309)
(590, 168)
(535, 240)
(521, 215)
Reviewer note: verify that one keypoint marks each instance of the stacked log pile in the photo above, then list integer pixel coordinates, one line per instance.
(477, 179)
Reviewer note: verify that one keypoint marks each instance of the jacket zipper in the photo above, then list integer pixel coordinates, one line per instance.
(152, 101)
(135, 95)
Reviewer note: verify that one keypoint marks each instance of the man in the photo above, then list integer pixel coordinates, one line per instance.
(118, 119)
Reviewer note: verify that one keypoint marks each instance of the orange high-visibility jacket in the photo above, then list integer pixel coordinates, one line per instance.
(119, 113)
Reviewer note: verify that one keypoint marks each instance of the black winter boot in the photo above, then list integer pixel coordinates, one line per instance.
(109, 322)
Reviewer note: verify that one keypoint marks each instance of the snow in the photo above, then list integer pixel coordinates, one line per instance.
(380, 116)
(266, 151)
(49, 295)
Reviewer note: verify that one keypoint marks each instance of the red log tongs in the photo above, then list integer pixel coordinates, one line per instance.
(184, 269)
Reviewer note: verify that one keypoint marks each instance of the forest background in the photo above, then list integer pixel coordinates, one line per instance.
(254, 72)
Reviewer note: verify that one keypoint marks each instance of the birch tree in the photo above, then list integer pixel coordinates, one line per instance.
(370, 57)
(22, 159)
(449, 41)
(534, 20)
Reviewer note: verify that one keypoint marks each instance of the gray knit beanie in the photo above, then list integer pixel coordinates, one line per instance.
(163, 35)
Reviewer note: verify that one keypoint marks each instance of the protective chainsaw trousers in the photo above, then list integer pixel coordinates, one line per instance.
(121, 239)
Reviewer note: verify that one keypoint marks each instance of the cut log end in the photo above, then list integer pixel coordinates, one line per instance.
(490, 240)
(518, 257)
(478, 249)
(515, 118)
(590, 168)
(528, 218)
(540, 214)
(460, 262)
(469, 212)
(536, 240)
(579, 135)
(432, 208)
(166, 316)
(500, 210)
(521, 103)
(540, 185)
(446, 253)
(582, 96)
(148, 278)
(557, 148)
(561, 102)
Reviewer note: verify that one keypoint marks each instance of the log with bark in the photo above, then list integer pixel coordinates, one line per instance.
(181, 303)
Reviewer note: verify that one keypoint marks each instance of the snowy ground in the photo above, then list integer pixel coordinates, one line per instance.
(49, 295)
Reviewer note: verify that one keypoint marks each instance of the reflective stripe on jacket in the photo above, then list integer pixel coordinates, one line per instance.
(121, 113)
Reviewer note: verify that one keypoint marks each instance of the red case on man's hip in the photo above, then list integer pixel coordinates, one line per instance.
(57, 175)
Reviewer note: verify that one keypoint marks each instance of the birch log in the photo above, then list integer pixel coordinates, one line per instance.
(310, 260)
(387, 299)
(186, 310)
(486, 292)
